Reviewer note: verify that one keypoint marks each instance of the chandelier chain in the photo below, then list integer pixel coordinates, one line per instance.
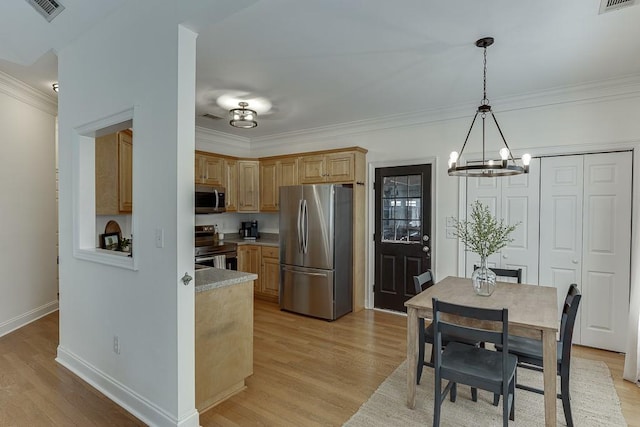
(485, 101)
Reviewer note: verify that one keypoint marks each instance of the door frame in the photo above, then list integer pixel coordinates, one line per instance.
(370, 264)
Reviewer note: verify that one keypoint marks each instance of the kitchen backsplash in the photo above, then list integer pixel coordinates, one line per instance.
(230, 222)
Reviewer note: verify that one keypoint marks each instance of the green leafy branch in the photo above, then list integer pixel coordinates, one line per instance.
(483, 233)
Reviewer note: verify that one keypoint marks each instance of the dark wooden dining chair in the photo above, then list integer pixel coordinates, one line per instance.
(506, 272)
(425, 333)
(471, 365)
(422, 282)
(529, 352)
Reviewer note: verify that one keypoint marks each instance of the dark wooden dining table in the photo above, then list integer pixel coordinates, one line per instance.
(533, 313)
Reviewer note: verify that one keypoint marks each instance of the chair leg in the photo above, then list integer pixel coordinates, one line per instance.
(505, 408)
(453, 393)
(512, 392)
(421, 333)
(566, 397)
(496, 399)
(474, 394)
(437, 402)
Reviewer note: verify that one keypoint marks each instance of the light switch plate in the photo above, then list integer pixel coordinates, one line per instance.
(451, 221)
(451, 233)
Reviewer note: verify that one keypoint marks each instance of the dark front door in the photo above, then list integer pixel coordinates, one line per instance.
(403, 244)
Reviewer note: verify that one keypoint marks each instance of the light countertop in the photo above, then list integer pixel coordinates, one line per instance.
(266, 239)
(213, 278)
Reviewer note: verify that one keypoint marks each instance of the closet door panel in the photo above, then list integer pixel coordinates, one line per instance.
(561, 188)
(606, 250)
(520, 204)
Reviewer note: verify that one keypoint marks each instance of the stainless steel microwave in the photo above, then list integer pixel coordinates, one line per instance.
(210, 199)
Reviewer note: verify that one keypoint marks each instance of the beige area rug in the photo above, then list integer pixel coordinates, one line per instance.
(594, 401)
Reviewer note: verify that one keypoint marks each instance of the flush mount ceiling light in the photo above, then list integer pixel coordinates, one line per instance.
(487, 168)
(243, 117)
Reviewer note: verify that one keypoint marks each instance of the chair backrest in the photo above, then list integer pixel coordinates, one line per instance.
(506, 272)
(423, 281)
(471, 333)
(568, 319)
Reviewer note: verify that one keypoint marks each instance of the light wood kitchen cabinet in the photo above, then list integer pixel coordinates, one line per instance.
(210, 170)
(275, 173)
(231, 187)
(265, 262)
(270, 281)
(250, 261)
(223, 343)
(248, 186)
(332, 167)
(113, 166)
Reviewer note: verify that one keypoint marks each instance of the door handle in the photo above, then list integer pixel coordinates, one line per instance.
(304, 272)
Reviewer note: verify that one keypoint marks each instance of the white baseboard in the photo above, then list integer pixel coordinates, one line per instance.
(28, 317)
(137, 405)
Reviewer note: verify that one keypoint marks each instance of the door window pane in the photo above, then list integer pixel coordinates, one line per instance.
(401, 208)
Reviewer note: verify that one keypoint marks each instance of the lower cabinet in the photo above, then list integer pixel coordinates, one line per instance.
(263, 261)
(270, 283)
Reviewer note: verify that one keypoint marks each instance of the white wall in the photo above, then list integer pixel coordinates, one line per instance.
(28, 252)
(137, 58)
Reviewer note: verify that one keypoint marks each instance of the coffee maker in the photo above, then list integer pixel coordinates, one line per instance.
(249, 230)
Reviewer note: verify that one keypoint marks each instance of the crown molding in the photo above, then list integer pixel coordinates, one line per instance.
(24, 93)
(213, 140)
(612, 89)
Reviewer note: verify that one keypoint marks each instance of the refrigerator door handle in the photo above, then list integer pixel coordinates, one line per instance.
(304, 272)
(306, 226)
(299, 225)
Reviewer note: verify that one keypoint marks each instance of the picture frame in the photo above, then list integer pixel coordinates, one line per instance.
(110, 241)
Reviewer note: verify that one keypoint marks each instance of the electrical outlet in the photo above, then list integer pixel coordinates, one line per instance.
(116, 344)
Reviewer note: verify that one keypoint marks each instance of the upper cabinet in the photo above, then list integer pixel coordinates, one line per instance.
(113, 156)
(248, 185)
(210, 169)
(231, 170)
(275, 173)
(254, 185)
(341, 166)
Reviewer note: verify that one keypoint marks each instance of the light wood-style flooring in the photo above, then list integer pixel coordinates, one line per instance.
(306, 372)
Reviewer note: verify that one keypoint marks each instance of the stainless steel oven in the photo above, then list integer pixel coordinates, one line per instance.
(212, 253)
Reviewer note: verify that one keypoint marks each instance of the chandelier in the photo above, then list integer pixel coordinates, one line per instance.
(243, 117)
(488, 167)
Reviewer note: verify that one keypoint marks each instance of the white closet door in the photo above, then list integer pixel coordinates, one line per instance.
(585, 232)
(561, 187)
(514, 199)
(606, 250)
(520, 204)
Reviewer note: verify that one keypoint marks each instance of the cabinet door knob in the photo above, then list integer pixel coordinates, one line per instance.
(574, 261)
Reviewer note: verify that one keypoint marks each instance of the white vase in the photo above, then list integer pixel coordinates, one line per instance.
(483, 279)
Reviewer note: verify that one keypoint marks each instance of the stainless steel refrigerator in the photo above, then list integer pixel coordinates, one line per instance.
(316, 250)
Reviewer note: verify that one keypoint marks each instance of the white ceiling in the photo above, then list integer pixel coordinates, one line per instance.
(327, 62)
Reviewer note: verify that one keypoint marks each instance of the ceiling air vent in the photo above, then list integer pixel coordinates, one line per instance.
(47, 8)
(611, 5)
(211, 116)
